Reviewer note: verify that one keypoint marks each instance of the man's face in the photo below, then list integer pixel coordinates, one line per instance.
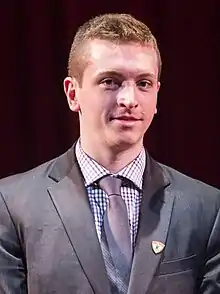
(118, 95)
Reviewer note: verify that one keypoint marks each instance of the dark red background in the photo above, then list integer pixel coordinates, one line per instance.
(35, 122)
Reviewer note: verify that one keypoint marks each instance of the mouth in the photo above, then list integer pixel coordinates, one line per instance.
(126, 118)
(125, 121)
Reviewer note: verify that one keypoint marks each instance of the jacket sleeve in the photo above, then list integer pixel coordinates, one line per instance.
(211, 276)
(12, 266)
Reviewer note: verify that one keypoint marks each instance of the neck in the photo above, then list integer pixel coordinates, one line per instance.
(114, 158)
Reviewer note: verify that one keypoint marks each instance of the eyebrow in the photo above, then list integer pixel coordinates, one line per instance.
(119, 74)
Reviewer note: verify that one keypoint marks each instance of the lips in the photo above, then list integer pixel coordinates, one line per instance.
(126, 118)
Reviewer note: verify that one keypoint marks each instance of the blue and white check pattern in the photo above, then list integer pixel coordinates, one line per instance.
(131, 192)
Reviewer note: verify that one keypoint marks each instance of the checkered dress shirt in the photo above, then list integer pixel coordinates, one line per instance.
(131, 190)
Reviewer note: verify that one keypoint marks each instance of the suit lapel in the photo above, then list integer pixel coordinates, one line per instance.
(154, 222)
(71, 201)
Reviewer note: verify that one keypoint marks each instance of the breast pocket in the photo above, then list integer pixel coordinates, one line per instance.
(175, 276)
(177, 265)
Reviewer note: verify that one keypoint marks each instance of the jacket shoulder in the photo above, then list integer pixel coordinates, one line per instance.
(186, 185)
(57, 167)
(13, 182)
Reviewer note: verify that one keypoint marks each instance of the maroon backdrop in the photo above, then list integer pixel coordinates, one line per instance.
(35, 122)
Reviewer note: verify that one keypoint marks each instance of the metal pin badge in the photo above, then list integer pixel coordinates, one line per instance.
(157, 246)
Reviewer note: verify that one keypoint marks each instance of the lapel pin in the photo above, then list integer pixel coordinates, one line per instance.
(157, 246)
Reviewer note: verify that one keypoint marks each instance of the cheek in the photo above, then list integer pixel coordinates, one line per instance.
(92, 109)
(97, 104)
(88, 101)
(149, 108)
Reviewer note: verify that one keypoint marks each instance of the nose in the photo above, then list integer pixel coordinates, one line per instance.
(126, 97)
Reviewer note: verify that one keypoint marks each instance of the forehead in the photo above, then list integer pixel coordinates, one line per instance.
(125, 57)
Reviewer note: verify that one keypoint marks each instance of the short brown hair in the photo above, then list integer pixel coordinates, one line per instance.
(117, 28)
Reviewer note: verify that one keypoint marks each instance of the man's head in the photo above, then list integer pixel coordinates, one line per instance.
(114, 68)
(116, 28)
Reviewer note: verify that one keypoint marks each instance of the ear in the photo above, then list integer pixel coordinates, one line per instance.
(158, 88)
(70, 85)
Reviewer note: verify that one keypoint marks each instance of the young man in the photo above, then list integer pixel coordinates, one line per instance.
(67, 227)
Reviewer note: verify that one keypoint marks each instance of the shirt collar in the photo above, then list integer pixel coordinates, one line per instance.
(92, 170)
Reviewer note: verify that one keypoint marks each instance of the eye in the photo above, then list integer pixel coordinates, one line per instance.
(110, 84)
(144, 84)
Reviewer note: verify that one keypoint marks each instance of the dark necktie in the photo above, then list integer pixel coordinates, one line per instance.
(116, 235)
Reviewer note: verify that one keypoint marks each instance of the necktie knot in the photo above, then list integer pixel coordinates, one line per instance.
(111, 185)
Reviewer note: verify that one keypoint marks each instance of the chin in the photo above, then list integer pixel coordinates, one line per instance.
(124, 143)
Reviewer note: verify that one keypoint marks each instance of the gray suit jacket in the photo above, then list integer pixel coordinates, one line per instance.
(48, 240)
